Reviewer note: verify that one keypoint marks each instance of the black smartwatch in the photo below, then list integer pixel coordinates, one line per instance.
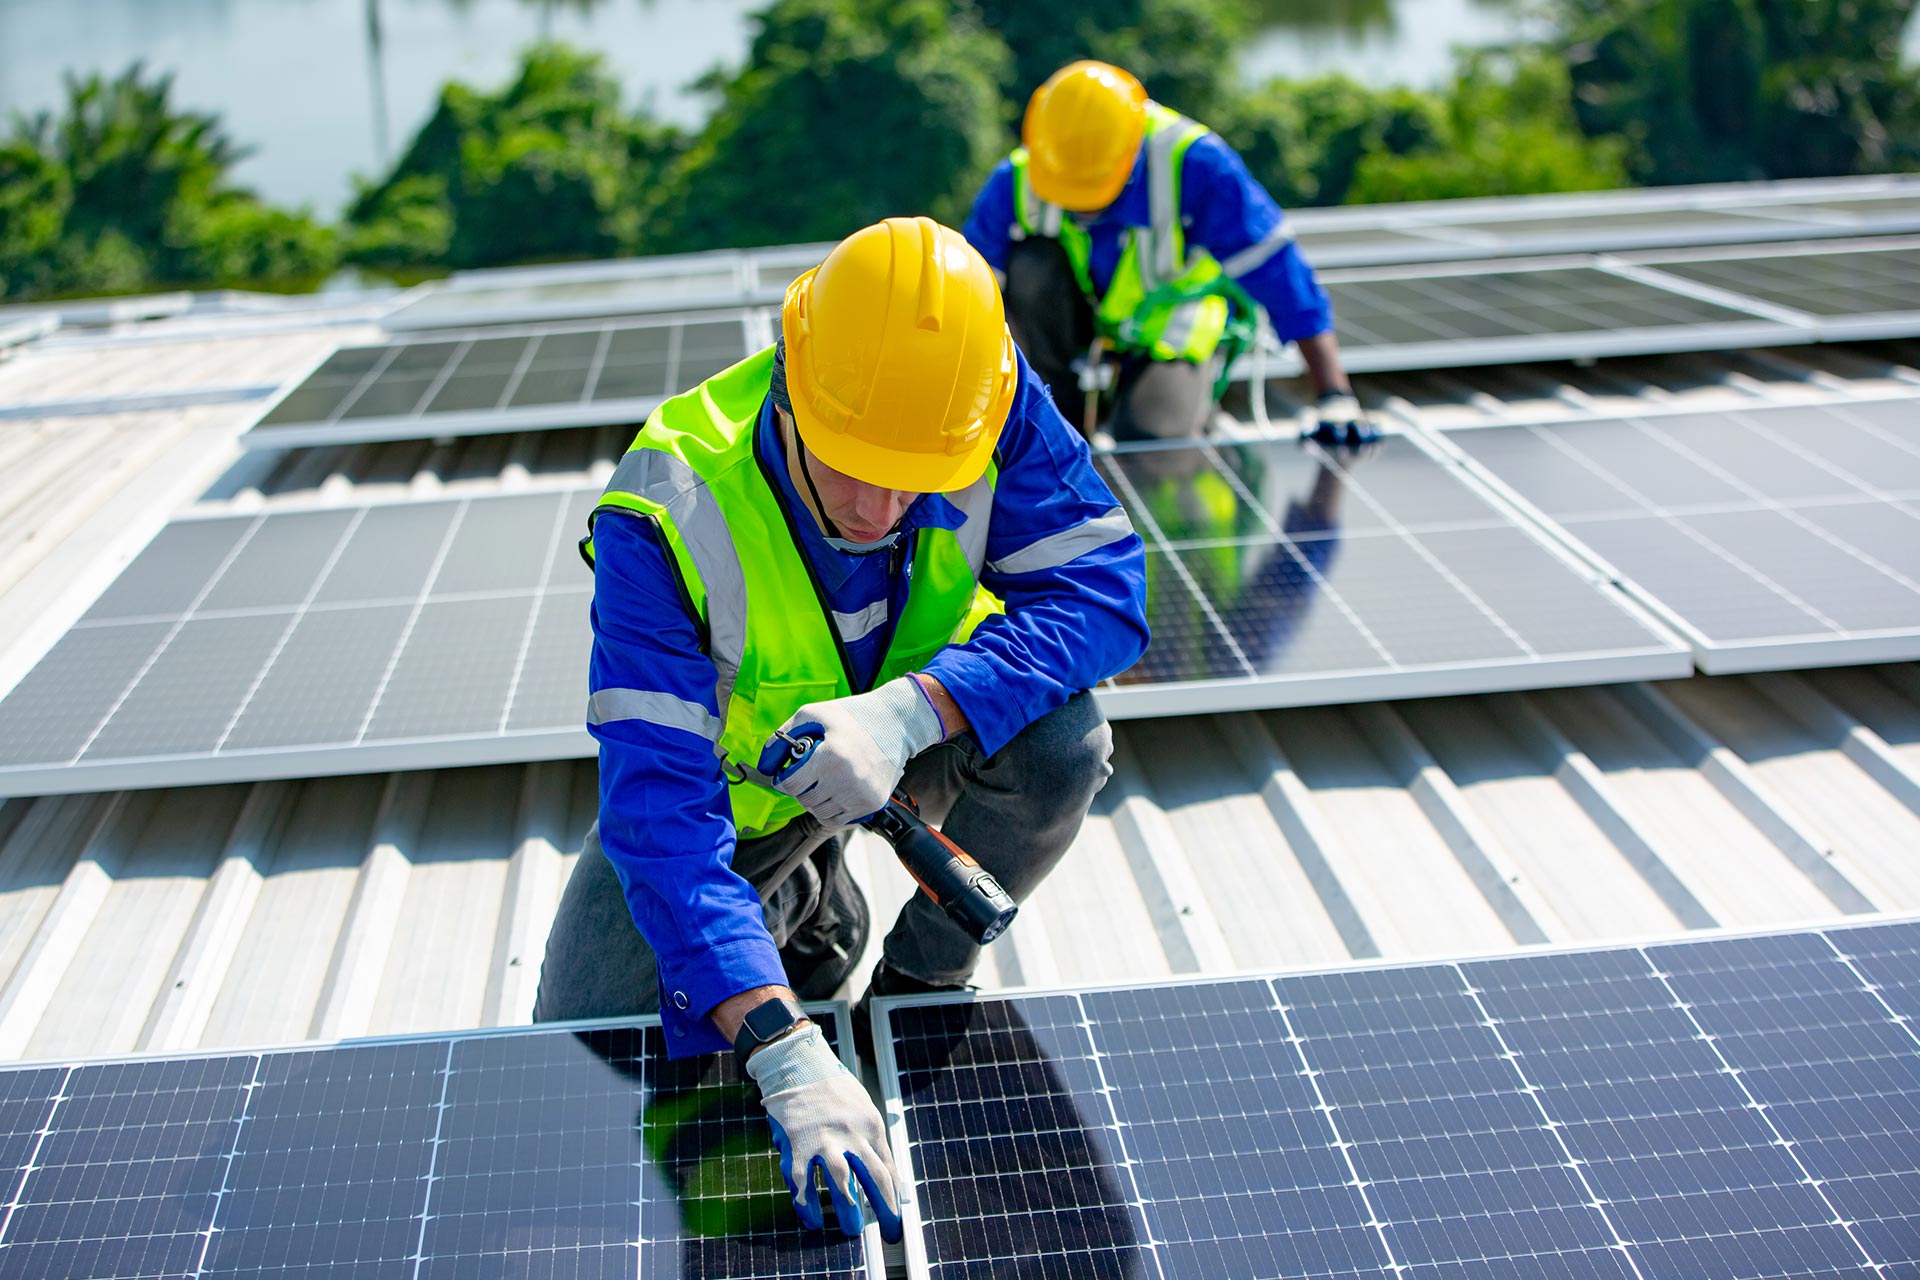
(766, 1021)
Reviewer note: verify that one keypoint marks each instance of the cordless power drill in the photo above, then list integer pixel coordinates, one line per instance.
(965, 890)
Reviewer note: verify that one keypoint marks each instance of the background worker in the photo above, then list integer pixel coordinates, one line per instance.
(1121, 220)
(799, 544)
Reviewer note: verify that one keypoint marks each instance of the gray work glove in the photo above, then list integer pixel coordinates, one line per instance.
(865, 743)
(823, 1119)
(1339, 419)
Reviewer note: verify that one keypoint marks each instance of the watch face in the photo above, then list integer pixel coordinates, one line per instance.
(770, 1018)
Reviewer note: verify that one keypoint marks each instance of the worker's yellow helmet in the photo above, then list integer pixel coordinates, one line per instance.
(899, 364)
(1082, 131)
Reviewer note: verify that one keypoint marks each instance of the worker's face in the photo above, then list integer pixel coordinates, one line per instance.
(864, 512)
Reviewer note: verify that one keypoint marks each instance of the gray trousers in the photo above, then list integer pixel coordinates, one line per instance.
(1015, 811)
(1052, 322)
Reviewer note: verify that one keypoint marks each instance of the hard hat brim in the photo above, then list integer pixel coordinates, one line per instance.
(1077, 197)
(898, 469)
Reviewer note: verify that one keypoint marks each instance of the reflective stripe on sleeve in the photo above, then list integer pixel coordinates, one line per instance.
(610, 705)
(1067, 545)
(658, 476)
(1256, 254)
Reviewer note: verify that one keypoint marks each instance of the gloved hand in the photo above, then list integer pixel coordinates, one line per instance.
(823, 1119)
(865, 743)
(1339, 419)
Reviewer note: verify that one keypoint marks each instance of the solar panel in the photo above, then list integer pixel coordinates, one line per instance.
(571, 1152)
(297, 643)
(1605, 222)
(634, 288)
(1481, 313)
(1773, 538)
(26, 329)
(1730, 1107)
(1281, 574)
(1853, 292)
(506, 380)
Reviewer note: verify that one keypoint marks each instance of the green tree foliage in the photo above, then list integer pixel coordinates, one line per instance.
(1182, 50)
(1506, 128)
(123, 191)
(1725, 90)
(846, 112)
(549, 167)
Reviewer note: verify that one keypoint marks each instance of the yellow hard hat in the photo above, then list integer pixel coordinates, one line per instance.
(899, 364)
(1082, 131)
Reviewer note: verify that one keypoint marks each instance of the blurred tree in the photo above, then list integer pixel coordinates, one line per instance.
(550, 167)
(1305, 139)
(1504, 126)
(1182, 50)
(1723, 90)
(127, 192)
(846, 112)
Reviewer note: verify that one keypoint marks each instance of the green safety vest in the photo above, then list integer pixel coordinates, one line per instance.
(1150, 306)
(693, 471)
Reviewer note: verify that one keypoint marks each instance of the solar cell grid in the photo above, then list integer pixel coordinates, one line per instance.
(569, 1154)
(258, 645)
(1742, 1107)
(1290, 567)
(1763, 532)
(492, 382)
(1835, 283)
(644, 286)
(1487, 306)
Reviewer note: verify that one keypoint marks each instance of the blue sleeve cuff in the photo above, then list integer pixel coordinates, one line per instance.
(721, 972)
(991, 705)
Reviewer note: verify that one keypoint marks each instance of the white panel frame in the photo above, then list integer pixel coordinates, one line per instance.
(15, 333)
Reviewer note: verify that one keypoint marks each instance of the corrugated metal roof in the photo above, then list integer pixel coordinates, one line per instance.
(278, 911)
(375, 904)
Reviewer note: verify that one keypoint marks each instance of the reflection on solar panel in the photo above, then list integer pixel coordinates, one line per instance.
(399, 635)
(572, 1153)
(1778, 537)
(1282, 575)
(1733, 1107)
(1417, 319)
(489, 382)
(1859, 291)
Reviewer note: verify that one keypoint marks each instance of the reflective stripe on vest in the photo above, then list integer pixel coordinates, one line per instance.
(693, 471)
(1153, 257)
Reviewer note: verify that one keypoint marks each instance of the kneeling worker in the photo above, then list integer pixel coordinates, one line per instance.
(802, 543)
(1124, 224)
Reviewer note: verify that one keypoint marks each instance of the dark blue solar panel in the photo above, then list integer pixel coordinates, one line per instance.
(1738, 1107)
(128, 1178)
(563, 1155)
(331, 1163)
(1838, 1077)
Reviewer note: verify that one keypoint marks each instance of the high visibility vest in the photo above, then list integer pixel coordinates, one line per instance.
(693, 471)
(1149, 305)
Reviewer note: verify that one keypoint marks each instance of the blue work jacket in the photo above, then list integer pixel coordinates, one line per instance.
(665, 821)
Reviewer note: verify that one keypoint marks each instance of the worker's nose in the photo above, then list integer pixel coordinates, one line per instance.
(881, 508)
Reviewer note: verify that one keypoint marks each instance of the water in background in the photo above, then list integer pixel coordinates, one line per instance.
(325, 89)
